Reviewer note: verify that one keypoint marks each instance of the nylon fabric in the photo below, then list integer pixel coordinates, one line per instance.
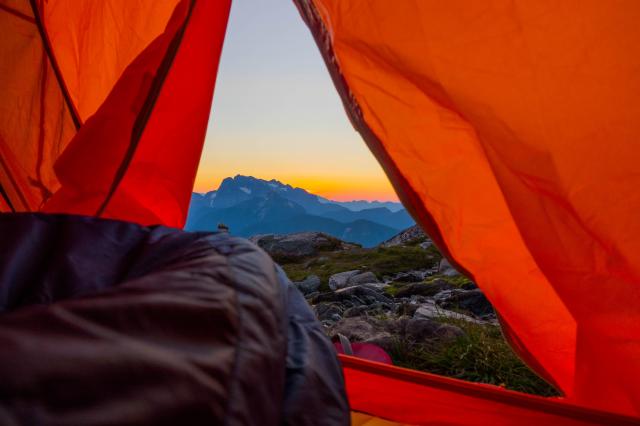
(138, 79)
(510, 131)
(398, 395)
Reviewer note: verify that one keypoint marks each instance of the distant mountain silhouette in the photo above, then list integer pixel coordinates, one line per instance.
(251, 206)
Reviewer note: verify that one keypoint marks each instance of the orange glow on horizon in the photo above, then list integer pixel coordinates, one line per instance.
(370, 188)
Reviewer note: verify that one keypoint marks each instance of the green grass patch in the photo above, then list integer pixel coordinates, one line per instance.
(458, 281)
(480, 355)
(380, 260)
(393, 288)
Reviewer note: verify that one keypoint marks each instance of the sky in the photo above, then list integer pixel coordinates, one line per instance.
(277, 115)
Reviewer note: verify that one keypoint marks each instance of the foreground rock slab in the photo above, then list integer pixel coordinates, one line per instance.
(341, 280)
(299, 245)
(430, 310)
(308, 285)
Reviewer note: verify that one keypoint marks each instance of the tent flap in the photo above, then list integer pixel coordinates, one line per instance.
(413, 397)
(510, 130)
(122, 93)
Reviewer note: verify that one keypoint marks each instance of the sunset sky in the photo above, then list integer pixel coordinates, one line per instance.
(276, 114)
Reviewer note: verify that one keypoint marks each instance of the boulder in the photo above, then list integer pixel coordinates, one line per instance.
(441, 297)
(292, 247)
(363, 278)
(420, 329)
(341, 279)
(358, 329)
(374, 309)
(473, 301)
(328, 312)
(408, 309)
(447, 269)
(430, 310)
(449, 332)
(308, 285)
(355, 311)
(423, 289)
(426, 244)
(409, 235)
(377, 286)
(357, 294)
(409, 277)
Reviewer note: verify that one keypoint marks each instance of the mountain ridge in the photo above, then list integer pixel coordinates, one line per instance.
(250, 206)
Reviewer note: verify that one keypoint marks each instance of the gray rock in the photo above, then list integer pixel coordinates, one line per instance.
(430, 310)
(406, 309)
(449, 332)
(326, 311)
(473, 301)
(358, 329)
(425, 245)
(446, 269)
(299, 245)
(357, 294)
(408, 235)
(309, 284)
(379, 287)
(341, 279)
(444, 295)
(398, 326)
(409, 277)
(423, 289)
(363, 278)
(355, 311)
(420, 329)
(374, 309)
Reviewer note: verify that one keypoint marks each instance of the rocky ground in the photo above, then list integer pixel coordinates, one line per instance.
(406, 298)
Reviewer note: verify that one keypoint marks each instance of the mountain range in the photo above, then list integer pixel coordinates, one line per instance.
(251, 206)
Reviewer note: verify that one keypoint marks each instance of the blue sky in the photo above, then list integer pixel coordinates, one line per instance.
(277, 115)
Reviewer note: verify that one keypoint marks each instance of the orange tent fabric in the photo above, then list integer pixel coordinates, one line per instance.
(416, 398)
(106, 104)
(511, 131)
(508, 128)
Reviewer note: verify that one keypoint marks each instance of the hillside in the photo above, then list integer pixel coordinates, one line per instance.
(405, 298)
(251, 206)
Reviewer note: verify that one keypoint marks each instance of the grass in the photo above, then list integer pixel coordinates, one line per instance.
(456, 282)
(480, 355)
(393, 288)
(380, 260)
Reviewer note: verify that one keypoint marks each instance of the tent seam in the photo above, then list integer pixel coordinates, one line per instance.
(46, 43)
(146, 110)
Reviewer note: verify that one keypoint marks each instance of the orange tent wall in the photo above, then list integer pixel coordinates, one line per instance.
(122, 93)
(511, 131)
(416, 398)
